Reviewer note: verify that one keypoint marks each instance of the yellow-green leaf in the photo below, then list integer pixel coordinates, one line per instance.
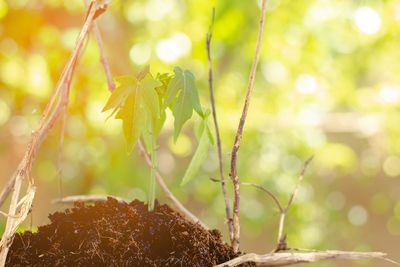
(133, 118)
(126, 85)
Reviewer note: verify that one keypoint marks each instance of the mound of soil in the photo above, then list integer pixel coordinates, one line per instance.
(113, 233)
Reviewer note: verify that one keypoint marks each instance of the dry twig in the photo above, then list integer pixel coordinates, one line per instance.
(50, 114)
(214, 113)
(280, 259)
(281, 241)
(86, 198)
(233, 174)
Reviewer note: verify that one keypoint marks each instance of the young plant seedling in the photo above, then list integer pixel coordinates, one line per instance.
(141, 100)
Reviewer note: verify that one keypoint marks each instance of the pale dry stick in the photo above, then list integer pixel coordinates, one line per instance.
(14, 221)
(214, 113)
(233, 174)
(86, 198)
(60, 150)
(45, 123)
(190, 216)
(64, 108)
(280, 259)
(43, 128)
(284, 212)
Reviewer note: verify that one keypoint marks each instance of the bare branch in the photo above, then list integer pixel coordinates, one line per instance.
(261, 188)
(280, 259)
(49, 116)
(233, 174)
(103, 56)
(190, 216)
(281, 243)
(13, 219)
(298, 183)
(214, 113)
(86, 198)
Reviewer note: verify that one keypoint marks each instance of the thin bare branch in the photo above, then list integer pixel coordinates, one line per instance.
(281, 242)
(233, 174)
(190, 216)
(280, 259)
(214, 113)
(298, 183)
(60, 151)
(278, 204)
(268, 192)
(103, 56)
(86, 198)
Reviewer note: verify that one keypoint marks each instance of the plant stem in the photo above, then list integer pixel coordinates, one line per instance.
(214, 113)
(178, 205)
(152, 188)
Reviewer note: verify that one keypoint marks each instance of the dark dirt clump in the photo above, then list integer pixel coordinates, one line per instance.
(112, 233)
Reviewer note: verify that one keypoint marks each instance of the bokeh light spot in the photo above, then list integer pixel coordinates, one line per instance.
(182, 147)
(169, 50)
(391, 166)
(389, 94)
(140, 53)
(156, 9)
(306, 84)
(357, 215)
(367, 20)
(274, 72)
(4, 112)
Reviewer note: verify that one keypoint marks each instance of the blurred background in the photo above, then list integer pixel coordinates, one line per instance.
(328, 85)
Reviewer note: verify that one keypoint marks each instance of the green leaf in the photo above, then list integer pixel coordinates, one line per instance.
(182, 97)
(199, 127)
(198, 158)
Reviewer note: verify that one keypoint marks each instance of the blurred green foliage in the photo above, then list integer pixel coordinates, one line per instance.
(327, 84)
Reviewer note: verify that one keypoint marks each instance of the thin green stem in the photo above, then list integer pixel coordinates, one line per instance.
(152, 188)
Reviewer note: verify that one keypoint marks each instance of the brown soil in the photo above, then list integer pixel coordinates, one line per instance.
(112, 233)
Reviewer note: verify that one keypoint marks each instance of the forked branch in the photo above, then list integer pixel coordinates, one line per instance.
(281, 241)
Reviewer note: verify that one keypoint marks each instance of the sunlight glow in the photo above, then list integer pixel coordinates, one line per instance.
(367, 20)
(157, 9)
(169, 50)
(306, 84)
(140, 53)
(274, 72)
(389, 94)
